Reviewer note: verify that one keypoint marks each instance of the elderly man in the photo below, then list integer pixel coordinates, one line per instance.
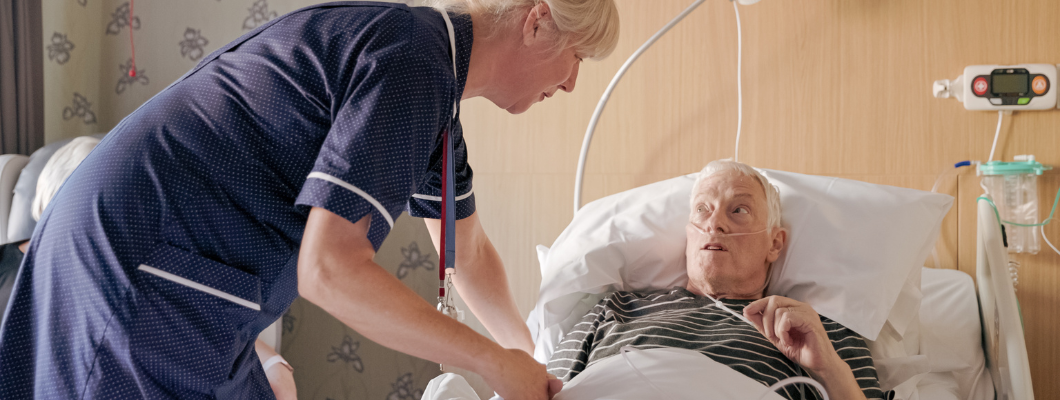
(734, 235)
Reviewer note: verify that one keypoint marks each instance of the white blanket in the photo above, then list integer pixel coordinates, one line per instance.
(677, 373)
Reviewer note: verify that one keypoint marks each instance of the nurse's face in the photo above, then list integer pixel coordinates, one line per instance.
(542, 79)
(539, 69)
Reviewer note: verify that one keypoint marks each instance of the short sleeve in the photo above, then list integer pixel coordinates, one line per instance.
(427, 201)
(382, 137)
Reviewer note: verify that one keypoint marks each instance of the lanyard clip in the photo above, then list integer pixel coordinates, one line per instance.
(445, 303)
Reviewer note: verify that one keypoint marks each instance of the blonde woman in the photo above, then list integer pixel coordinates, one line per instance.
(276, 168)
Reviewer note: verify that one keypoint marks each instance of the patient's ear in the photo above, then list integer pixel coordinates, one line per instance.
(780, 236)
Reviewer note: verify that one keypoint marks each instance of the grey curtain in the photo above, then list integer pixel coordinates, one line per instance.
(21, 77)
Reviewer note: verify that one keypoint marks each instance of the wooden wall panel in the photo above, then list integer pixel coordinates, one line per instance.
(831, 87)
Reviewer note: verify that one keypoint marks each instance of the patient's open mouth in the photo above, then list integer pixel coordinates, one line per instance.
(715, 247)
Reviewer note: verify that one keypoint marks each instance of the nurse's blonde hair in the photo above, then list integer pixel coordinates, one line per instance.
(589, 26)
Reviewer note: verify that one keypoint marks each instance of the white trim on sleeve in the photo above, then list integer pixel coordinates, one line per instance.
(198, 286)
(359, 192)
(439, 198)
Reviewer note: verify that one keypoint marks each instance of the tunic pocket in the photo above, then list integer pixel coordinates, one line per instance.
(205, 275)
(189, 319)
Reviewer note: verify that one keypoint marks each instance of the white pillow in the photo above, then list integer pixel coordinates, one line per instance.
(951, 332)
(851, 246)
(941, 356)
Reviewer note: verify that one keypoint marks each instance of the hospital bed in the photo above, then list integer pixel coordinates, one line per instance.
(939, 336)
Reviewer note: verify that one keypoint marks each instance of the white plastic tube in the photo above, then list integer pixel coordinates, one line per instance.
(773, 388)
(580, 176)
(997, 132)
(1047, 240)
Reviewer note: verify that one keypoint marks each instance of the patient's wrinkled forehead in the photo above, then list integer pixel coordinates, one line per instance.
(729, 185)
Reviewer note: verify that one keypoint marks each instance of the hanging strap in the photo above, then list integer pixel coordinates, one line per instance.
(447, 253)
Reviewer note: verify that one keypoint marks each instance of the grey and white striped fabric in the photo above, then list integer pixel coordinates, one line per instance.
(679, 318)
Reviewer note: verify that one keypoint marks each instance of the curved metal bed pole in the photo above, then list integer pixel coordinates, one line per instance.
(607, 95)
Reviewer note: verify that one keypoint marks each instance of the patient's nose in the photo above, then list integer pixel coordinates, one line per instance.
(714, 224)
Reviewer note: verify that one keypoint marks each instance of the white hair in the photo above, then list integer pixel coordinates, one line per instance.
(772, 193)
(58, 168)
(590, 26)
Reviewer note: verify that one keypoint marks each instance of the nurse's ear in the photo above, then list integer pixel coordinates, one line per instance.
(538, 21)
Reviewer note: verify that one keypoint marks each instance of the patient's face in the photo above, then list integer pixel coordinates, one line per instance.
(730, 266)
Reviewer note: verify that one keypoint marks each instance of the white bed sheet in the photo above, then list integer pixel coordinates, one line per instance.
(942, 356)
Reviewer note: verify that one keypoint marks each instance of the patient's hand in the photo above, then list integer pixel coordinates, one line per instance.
(796, 329)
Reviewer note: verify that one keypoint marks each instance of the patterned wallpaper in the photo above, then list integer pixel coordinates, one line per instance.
(88, 89)
(332, 361)
(88, 55)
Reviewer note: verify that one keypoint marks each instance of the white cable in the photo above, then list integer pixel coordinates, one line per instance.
(795, 379)
(739, 81)
(627, 348)
(1000, 114)
(773, 388)
(1047, 240)
(982, 370)
(607, 95)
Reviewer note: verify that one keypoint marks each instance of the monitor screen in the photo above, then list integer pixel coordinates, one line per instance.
(1009, 83)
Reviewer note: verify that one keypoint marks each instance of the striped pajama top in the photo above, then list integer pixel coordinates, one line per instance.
(678, 318)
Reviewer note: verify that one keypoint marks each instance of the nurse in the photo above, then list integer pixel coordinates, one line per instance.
(276, 167)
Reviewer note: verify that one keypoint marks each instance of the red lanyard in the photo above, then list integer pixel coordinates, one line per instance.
(447, 251)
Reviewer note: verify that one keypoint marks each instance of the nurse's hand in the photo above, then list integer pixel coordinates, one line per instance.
(555, 385)
(517, 376)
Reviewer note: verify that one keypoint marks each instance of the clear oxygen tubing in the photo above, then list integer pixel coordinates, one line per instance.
(1043, 223)
(1056, 200)
(580, 176)
(769, 272)
(1047, 240)
(705, 232)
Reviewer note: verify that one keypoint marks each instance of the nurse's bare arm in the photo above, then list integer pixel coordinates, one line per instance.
(337, 273)
(483, 284)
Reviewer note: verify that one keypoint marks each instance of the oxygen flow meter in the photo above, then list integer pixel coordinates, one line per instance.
(1020, 87)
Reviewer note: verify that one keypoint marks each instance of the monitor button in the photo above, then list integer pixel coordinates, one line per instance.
(1039, 85)
(979, 86)
(995, 101)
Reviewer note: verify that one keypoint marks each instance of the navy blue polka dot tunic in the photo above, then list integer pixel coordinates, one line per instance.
(176, 241)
